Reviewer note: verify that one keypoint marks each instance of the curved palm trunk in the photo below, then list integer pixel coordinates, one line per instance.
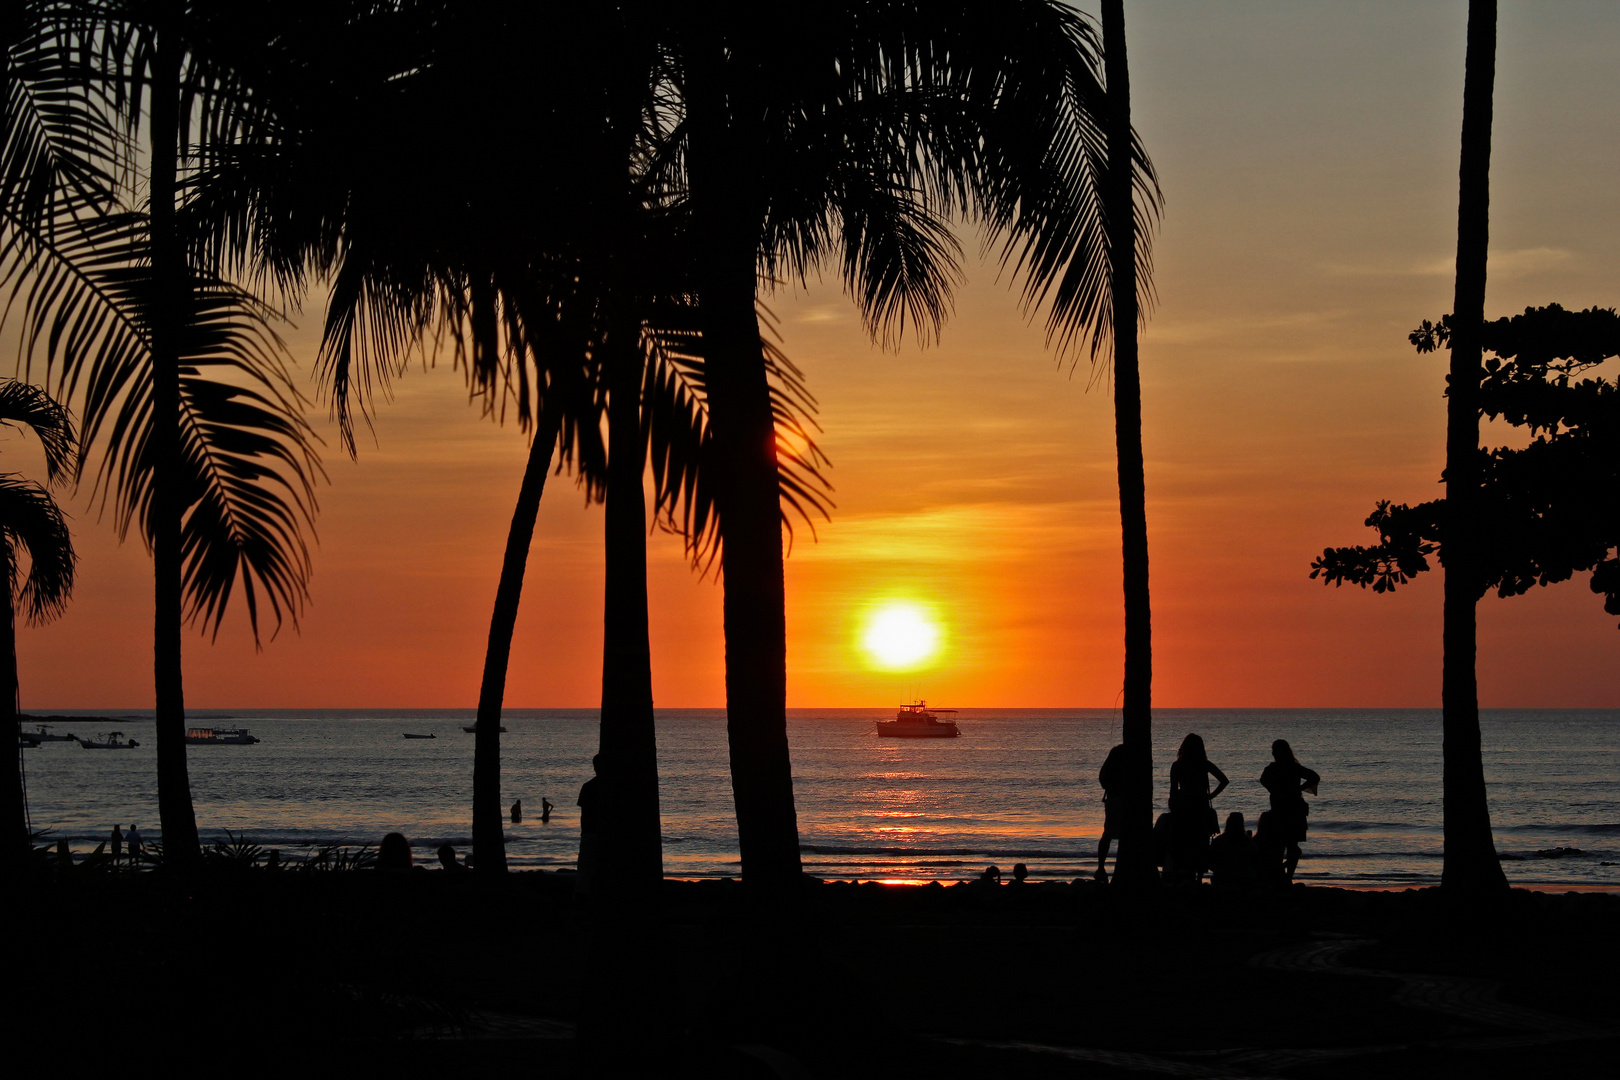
(1135, 847)
(727, 219)
(489, 842)
(632, 841)
(169, 281)
(17, 856)
(1470, 857)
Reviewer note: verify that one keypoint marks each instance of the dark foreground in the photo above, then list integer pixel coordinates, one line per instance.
(428, 972)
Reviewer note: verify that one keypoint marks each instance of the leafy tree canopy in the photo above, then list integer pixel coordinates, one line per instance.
(1553, 506)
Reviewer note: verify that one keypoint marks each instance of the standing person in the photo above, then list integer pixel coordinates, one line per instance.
(1192, 818)
(590, 826)
(517, 812)
(1288, 781)
(1110, 776)
(546, 808)
(134, 842)
(117, 843)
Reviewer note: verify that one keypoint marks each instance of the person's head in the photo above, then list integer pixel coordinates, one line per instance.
(1192, 749)
(596, 764)
(394, 853)
(1020, 871)
(1283, 753)
(447, 856)
(1234, 823)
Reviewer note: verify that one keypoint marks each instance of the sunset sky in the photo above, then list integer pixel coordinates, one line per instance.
(1308, 154)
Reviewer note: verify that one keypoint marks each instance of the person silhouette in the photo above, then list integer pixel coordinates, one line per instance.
(117, 843)
(394, 853)
(545, 809)
(1233, 860)
(447, 859)
(133, 841)
(1287, 781)
(517, 812)
(1111, 776)
(1192, 818)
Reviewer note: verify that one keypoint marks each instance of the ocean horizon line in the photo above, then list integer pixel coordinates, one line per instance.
(199, 711)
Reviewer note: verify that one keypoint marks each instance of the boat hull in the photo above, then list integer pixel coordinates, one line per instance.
(892, 729)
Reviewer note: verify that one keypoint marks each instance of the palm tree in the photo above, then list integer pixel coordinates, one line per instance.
(31, 523)
(853, 139)
(1136, 862)
(184, 383)
(1471, 863)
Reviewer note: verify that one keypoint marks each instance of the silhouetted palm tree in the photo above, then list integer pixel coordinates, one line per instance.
(852, 138)
(184, 385)
(1136, 861)
(30, 523)
(1470, 856)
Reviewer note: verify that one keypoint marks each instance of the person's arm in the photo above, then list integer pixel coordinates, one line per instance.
(1308, 779)
(1220, 776)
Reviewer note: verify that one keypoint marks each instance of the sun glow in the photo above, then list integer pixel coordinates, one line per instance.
(900, 636)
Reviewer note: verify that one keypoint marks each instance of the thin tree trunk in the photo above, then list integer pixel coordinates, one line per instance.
(489, 842)
(1136, 861)
(17, 855)
(1470, 856)
(727, 218)
(632, 842)
(171, 286)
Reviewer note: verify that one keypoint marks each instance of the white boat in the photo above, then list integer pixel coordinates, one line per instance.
(112, 740)
(917, 721)
(204, 736)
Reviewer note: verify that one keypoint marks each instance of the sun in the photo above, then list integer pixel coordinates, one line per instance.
(900, 636)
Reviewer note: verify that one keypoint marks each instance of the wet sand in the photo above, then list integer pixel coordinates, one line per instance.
(427, 970)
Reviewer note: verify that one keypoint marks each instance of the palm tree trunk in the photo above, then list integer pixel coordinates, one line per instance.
(727, 218)
(489, 842)
(1135, 846)
(632, 841)
(1470, 854)
(17, 857)
(170, 285)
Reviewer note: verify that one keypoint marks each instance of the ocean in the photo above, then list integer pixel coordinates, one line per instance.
(1018, 786)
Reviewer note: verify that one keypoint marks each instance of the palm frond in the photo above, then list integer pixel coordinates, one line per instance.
(250, 459)
(24, 404)
(31, 521)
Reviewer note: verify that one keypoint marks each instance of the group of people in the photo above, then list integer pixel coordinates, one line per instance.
(119, 840)
(1182, 837)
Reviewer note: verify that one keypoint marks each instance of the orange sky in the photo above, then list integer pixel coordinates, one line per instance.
(1308, 155)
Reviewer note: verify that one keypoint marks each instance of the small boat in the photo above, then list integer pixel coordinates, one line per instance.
(408, 735)
(204, 736)
(917, 721)
(472, 729)
(26, 741)
(43, 734)
(112, 740)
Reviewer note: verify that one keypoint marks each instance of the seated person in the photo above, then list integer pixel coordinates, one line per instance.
(1234, 860)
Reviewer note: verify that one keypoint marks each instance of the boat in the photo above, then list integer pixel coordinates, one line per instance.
(43, 734)
(206, 736)
(917, 721)
(112, 740)
(472, 729)
(408, 735)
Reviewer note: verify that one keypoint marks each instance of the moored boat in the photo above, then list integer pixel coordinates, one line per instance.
(409, 735)
(203, 736)
(112, 740)
(917, 721)
(44, 734)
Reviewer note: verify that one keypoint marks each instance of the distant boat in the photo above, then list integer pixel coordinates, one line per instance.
(112, 740)
(408, 735)
(917, 721)
(44, 735)
(203, 736)
(472, 729)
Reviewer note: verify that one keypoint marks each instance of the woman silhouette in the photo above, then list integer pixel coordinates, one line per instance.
(1192, 818)
(1287, 781)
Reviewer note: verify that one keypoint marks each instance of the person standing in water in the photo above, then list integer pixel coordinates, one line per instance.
(1192, 818)
(1110, 776)
(1287, 781)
